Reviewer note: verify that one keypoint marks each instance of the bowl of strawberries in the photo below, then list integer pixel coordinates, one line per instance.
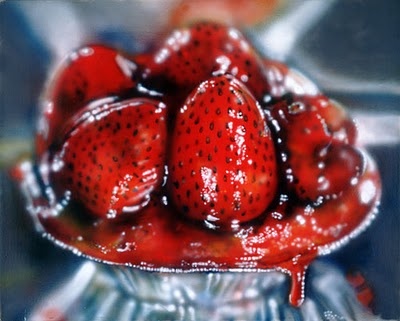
(198, 156)
(193, 176)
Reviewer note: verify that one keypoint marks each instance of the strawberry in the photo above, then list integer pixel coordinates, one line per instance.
(87, 74)
(339, 124)
(222, 162)
(283, 80)
(314, 136)
(112, 157)
(192, 54)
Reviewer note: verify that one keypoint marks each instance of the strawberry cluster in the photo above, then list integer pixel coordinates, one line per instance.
(200, 154)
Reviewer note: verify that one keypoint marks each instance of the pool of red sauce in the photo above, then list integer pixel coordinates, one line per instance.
(157, 239)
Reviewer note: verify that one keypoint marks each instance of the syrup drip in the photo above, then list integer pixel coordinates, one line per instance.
(297, 270)
(297, 291)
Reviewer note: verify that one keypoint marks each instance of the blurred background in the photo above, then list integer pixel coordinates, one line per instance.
(349, 48)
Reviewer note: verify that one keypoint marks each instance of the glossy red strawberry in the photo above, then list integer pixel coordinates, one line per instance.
(339, 123)
(87, 74)
(283, 80)
(222, 162)
(314, 136)
(112, 157)
(193, 54)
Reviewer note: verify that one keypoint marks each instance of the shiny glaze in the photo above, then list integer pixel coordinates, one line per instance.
(327, 188)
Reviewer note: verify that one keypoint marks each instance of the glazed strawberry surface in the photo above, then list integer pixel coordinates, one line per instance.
(112, 157)
(198, 156)
(88, 73)
(222, 164)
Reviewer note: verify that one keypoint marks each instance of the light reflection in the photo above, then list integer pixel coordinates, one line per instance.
(367, 192)
(224, 64)
(299, 84)
(43, 120)
(86, 51)
(127, 66)
(149, 175)
(208, 192)
(57, 163)
(323, 183)
(233, 33)
(162, 55)
(244, 78)
(277, 215)
(178, 39)
(276, 78)
(300, 219)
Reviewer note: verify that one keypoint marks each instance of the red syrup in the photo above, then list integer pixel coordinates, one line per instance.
(272, 179)
(159, 240)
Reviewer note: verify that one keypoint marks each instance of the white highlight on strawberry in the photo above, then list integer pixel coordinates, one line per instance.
(367, 192)
(127, 66)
